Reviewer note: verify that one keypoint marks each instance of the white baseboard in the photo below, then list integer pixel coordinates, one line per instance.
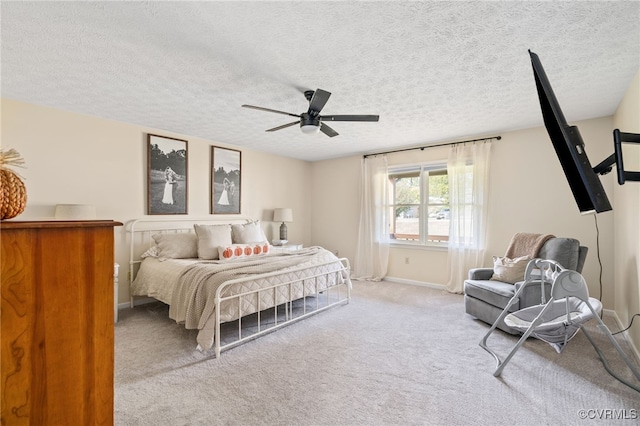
(625, 334)
(414, 282)
(136, 302)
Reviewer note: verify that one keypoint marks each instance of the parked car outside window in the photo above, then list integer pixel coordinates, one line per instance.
(444, 214)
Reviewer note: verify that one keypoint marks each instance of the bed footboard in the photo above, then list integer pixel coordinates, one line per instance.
(319, 292)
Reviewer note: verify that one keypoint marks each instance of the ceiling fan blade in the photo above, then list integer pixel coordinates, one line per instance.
(271, 110)
(349, 117)
(328, 130)
(284, 126)
(318, 101)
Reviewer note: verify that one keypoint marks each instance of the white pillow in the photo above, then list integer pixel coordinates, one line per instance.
(236, 251)
(248, 233)
(509, 270)
(210, 237)
(182, 245)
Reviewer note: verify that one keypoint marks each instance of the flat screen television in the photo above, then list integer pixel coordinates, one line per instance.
(567, 142)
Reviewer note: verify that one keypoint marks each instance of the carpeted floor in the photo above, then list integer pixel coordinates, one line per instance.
(396, 355)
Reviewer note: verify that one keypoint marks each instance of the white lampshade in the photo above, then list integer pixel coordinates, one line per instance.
(75, 212)
(309, 129)
(283, 215)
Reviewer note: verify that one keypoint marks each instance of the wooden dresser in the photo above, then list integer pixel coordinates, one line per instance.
(57, 322)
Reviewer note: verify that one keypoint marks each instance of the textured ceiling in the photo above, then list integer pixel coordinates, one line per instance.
(433, 71)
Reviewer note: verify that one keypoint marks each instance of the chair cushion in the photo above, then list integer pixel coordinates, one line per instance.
(495, 293)
(565, 251)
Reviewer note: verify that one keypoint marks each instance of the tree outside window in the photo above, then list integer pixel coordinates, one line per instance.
(419, 204)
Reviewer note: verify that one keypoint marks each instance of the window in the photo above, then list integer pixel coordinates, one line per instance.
(419, 203)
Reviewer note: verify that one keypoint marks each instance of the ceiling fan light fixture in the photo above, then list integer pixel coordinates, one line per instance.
(311, 121)
(309, 124)
(309, 129)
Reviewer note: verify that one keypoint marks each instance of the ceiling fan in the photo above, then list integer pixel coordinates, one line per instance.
(311, 121)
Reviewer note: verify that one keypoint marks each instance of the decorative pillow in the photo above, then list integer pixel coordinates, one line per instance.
(247, 233)
(509, 270)
(180, 245)
(151, 252)
(210, 237)
(236, 251)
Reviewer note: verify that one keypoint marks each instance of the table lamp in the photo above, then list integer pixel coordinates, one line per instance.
(283, 215)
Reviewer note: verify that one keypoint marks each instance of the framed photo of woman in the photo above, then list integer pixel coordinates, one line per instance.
(226, 173)
(167, 165)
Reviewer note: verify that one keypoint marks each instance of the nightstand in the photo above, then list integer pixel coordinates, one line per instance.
(286, 248)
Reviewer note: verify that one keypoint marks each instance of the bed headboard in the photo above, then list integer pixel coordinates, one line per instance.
(141, 230)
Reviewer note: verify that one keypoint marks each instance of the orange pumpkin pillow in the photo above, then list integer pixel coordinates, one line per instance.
(236, 251)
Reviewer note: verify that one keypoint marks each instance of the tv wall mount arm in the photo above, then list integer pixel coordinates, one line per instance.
(616, 158)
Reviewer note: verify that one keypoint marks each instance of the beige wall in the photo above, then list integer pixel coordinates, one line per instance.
(78, 159)
(335, 204)
(627, 215)
(529, 193)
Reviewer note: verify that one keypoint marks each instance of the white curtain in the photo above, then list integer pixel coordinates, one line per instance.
(372, 253)
(468, 171)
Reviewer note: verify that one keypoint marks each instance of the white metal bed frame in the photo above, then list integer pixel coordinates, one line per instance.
(141, 230)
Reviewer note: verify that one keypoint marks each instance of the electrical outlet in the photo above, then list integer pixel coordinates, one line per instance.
(406, 260)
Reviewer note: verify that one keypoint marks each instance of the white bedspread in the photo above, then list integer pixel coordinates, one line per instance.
(157, 278)
(189, 286)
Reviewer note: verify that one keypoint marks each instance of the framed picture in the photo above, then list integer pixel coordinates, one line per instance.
(167, 163)
(226, 172)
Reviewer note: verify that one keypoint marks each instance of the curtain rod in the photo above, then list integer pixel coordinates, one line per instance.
(421, 148)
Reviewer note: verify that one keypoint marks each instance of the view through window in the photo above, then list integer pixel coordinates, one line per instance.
(419, 204)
